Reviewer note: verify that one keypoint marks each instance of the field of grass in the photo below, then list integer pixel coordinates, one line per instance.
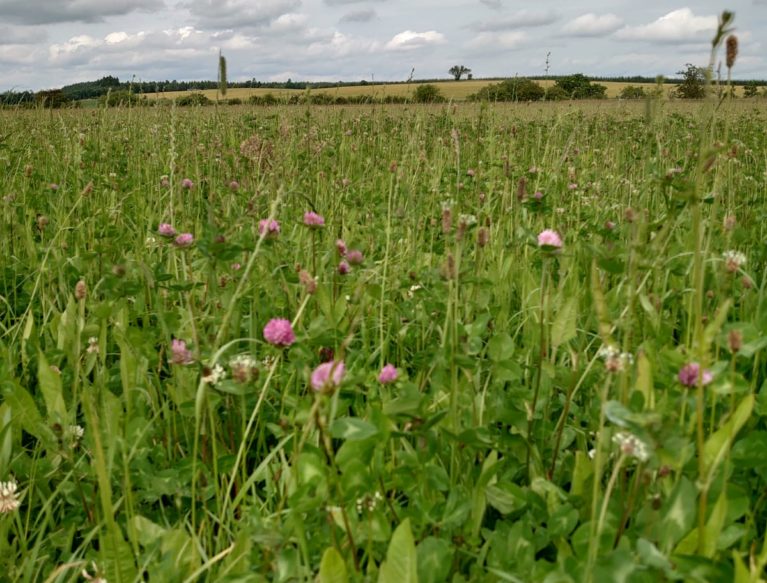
(452, 90)
(396, 344)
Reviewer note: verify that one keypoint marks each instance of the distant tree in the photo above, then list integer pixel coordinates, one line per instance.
(458, 71)
(428, 93)
(579, 86)
(556, 93)
(120, 99)
(632, 92)
(750, 90)
(693, 85)
(193, 99)
(53, 98)
(517, 89)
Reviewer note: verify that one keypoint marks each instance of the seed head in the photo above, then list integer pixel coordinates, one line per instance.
(732, 50)
(81, 290)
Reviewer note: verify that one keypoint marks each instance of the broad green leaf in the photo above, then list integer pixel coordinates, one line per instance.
(500, 347)
(50, 386)
(146, 531)
(24, 410)
(742, 574)
(332, 567)
(718, 444)
(678, 514)
(435, 556)
(401, 564)
(714, 526)
(564, 327)
(352, 429)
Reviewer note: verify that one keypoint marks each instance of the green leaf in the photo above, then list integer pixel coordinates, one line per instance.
(678, 514)
(332, 567)
(500, 347)
(401, 564)
(718, 444)
(564, 327)
(644, 382)
(50, 386)
(352, 429)
(435, 556)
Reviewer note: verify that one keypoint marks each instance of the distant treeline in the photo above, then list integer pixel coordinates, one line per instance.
(100, 88)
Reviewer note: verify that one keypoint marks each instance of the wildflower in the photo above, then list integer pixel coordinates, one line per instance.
(447, 217)
(735, 340)
(309, 283)
(236, 266)
(81, 290)
(538, 195)
(470, 172)
(93, 345)
(96, 577)
(8, 499)
(343, 267)
(355, 257)
(213, 376)
(733, 260)
(691, 372)
(615, 360)
(368, 502)
(184, 240)
(609, 225)
(483, 237)
(549, 239)
(187, 184)
(180, 354)
(268, 227)
(328, 375)
(572, 186)
(279, 332)
(312, 219)
(166, 230)
(631, 446)
(341, 247)
(244, 368)
(164, 181)
(729, 222)
(388, 374)
(234, 186)
(53, 186)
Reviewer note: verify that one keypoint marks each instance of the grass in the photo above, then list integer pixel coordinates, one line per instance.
(493, 455)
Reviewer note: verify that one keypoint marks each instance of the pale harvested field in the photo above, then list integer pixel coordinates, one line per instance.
(457, 90)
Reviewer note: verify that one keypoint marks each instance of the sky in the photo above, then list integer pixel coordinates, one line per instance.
(49, 43)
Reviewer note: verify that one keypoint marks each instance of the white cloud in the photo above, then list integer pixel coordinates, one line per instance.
(18, 35)
(592, 25)
(54, 11)
(679, 26)
(522, 19)
(341, 45)
(408, 40)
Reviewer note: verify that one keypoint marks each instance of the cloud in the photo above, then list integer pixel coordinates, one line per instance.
(592, 25)
(365, 15)
(493, 41)
(492, 4)
(343, 2)
(409, 40)
(238, 13)
(21, 35)
(677, 27)
(522, 19)
(341, 45)
(54, 11)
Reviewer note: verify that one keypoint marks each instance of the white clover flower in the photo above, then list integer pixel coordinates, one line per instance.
(733, 260)
(244, 368)
(9, 500)
(213, 376)
(614, 359)
(93, 345)
(631, 446)
(468, 220)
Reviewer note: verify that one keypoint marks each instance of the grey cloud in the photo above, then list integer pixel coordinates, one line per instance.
(365, 15)
(494, 4)
(55, 11)
(21, 35)
(345, 2)
(523, 19)
(239, 13)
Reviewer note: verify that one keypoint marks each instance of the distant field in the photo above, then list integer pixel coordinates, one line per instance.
(457, 90)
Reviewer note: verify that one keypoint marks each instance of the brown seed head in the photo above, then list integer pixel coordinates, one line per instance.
(732, 50)
(734, 340)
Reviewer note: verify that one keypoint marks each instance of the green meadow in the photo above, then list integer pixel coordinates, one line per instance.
(198, 307)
